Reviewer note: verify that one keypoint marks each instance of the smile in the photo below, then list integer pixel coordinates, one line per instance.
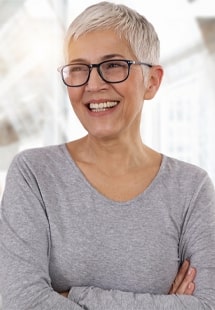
(102, 106)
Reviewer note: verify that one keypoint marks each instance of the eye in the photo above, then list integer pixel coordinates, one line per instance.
(77, 68)
(115, 64)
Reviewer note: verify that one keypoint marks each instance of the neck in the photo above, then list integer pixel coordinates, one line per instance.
(112, 156)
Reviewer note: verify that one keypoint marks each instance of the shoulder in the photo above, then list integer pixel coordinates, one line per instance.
(186, 187)
(38, 158)
(40, 153)
(182, 169)
(184, 176)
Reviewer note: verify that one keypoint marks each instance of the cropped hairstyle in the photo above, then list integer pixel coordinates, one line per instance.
(126, 22)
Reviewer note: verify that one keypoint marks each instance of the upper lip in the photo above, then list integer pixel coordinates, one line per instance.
(100, 101)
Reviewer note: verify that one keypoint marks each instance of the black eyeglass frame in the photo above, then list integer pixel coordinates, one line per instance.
(97, 66)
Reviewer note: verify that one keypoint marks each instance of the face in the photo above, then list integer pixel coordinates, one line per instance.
(125, 99)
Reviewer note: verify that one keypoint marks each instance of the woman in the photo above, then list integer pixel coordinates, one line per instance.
(105, 222)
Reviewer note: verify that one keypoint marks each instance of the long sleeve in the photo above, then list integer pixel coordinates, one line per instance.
(93, 298)
(57, 234)
(197, 242)
(24, 248)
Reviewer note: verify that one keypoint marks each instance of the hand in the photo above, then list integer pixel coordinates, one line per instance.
(184, 280)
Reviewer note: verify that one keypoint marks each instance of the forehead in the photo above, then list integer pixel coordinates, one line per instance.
(96, 44)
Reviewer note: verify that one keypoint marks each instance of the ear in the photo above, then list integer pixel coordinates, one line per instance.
(154, 81)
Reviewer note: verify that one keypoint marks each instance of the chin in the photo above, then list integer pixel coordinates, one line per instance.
(103, 135)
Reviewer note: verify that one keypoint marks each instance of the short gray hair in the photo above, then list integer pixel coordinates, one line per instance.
(126, 22)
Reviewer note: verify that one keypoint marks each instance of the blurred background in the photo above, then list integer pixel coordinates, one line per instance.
(34, 108)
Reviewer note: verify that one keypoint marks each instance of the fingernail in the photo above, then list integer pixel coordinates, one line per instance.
(190, 285)
(190, 271)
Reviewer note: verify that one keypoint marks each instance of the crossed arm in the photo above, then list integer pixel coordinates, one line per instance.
(183, 283)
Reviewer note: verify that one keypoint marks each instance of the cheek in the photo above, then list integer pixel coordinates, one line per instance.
(136, 91)
(75, 95)
(136, 85)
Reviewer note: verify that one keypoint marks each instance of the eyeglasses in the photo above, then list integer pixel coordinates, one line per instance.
(111, 71)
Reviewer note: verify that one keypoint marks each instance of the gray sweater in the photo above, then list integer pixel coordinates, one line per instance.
(58, 233)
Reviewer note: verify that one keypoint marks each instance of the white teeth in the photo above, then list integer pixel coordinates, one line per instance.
(102, 105)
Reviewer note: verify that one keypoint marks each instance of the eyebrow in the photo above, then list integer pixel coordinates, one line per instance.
(112, 56)
(103, 58)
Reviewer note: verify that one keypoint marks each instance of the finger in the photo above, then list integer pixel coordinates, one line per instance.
(180, 277)
(186, 284)
(190, 289)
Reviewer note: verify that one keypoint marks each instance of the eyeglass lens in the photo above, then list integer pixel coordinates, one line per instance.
(112, 71)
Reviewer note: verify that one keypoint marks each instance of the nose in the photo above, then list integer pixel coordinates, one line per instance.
(95, 82)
